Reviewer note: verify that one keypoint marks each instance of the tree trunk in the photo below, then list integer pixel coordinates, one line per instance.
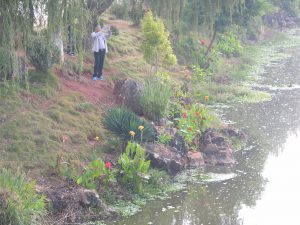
(97, 8)
(57, 40)
(211, 42)
(31, 15)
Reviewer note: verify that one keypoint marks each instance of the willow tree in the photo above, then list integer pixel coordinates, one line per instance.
(18, 17)
(196, 14)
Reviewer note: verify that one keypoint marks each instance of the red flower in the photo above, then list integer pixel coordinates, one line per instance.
(65, 138)
(197, 114)
(108, 165)
(202, 42)
(184, 115)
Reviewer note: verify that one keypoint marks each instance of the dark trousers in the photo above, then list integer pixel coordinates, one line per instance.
(99, 61)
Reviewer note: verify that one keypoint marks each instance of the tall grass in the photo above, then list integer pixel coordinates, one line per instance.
(19, 203)
(155, 98)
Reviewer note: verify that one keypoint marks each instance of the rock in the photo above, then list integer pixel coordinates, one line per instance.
(216, 149)
(232, 132)
(195, 160)
(165, 157)
(128, 93)
(90, 198)
(179, 144)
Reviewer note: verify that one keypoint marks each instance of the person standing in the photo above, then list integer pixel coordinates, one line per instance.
(99, 37)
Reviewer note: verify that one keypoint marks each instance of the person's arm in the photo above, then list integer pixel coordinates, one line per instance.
(96, 34)
(107, 32)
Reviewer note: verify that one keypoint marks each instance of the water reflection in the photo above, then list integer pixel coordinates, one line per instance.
(281, 197)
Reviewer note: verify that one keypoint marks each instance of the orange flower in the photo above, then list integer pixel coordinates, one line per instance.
(132, 133)
(206, 98)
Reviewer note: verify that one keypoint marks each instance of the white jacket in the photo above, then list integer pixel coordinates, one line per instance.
(96, 36)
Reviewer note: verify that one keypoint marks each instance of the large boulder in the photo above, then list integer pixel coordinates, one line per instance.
(128, 93)
(164, 157)
(195, 160)
(216, 149)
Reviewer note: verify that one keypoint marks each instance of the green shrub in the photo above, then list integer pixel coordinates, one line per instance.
(41, 53)
(121, 121)
(228, 44)
(155, 98)
(19, 204)
(115, 31)
(134, 167)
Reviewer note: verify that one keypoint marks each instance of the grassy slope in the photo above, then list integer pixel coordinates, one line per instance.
(33, 121)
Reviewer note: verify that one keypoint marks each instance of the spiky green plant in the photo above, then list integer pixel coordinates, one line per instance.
(121, 121)
(19, 203)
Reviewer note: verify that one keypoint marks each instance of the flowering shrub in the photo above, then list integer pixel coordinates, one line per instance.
(97, 173)
(192, 123)
(134, 166)
(191, 50)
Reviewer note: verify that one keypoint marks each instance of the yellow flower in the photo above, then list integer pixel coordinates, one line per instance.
(141, 128)
(132, 133)
(97, 138)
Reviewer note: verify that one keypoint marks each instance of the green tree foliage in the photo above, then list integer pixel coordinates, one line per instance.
(156, 45)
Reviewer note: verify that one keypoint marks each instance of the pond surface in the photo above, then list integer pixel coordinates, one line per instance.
(266, 188)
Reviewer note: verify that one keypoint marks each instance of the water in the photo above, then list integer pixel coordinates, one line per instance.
(266, 188)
